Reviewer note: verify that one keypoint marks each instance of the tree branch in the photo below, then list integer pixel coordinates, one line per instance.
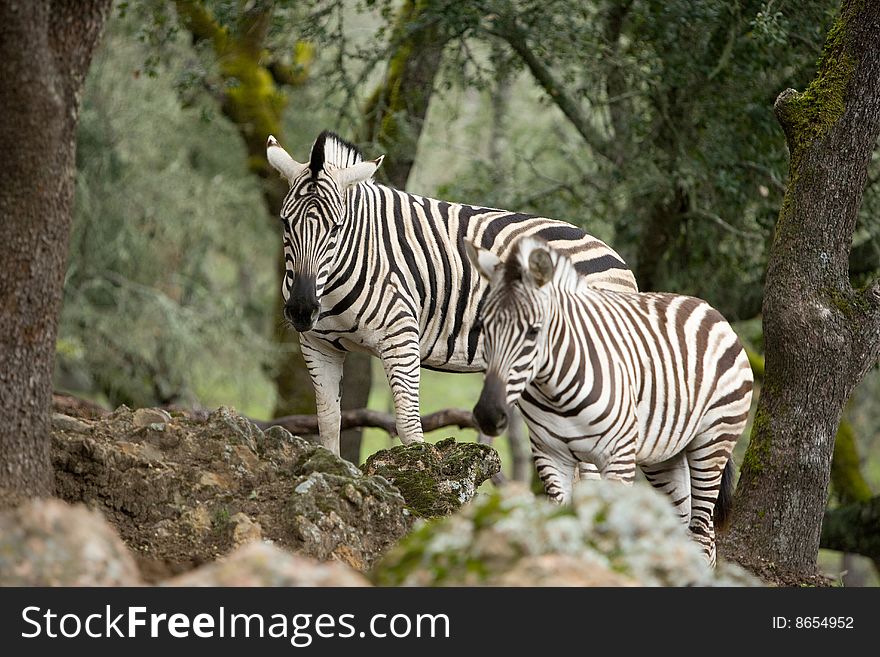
(289, 75)
(253, 25)
(197, 19)
(711, 216)
(508, 30)
(365, 417)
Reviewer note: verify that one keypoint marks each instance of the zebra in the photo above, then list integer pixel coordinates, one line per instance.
(372, 268)
(613, 380)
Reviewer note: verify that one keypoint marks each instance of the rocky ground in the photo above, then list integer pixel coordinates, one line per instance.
(149, 496)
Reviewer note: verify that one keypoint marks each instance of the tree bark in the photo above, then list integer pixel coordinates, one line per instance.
(821, 336)
(45, 51)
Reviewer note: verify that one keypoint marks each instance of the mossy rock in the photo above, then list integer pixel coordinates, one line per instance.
(435, 479)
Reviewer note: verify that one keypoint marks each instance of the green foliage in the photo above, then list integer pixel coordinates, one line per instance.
(680, 96)
(171, 259)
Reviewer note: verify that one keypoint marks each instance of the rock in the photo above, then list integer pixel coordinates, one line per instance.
(182, 496)
(154, 418)
(437, 479)
(328, 511)
(67, 423)
(611, 534)
(50, 543)
(245, 530)
(561, 570)
(259, 564)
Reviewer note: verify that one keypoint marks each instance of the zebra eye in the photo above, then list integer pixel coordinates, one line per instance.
(533, 330)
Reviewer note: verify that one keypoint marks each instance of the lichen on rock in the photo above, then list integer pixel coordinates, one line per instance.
(193, 490)
(435, 479)
(611, 534)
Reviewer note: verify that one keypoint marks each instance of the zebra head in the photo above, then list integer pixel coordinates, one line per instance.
(313, 214)
(514, 319)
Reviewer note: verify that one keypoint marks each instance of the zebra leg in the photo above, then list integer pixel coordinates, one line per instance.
(325, 368)
(673, 478)
(402, 363)
(586, 470)
(707, 455)
(557, 477)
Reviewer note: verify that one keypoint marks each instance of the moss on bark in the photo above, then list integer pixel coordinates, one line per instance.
(809, 116)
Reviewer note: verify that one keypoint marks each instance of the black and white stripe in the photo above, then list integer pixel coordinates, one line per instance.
(614, 380)
(375, 269)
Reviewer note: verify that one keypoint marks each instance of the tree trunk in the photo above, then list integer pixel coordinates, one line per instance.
(520, 448)
(854, 528)
(395, 115)
(663, 226)
(45, 51)
(254, 102)
(396, 110)
(820, 335)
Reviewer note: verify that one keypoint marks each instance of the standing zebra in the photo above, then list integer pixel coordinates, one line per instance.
(374, 269)
(614, 380)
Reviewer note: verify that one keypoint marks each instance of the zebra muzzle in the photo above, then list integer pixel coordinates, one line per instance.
(302, 305)
(490, 412)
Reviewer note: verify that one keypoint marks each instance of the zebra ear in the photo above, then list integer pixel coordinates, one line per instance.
(358, 173)
(541, 266)
(281, 161)
(483, 260)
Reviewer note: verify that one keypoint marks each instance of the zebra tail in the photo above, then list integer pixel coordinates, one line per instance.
(724, 505)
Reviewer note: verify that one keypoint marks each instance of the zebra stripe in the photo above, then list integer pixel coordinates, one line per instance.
(610, 380)
(375, 269)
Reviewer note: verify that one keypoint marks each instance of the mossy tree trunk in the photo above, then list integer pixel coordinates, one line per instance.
(396, 110)
(45, 51)
(821, 335)
(254, 99)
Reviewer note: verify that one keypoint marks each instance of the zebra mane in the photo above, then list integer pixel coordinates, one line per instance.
(332, 149)
(561, 269)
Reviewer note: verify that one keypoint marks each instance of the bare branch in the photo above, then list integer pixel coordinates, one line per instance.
(711, 216)
(366, 417)
(767, 171)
